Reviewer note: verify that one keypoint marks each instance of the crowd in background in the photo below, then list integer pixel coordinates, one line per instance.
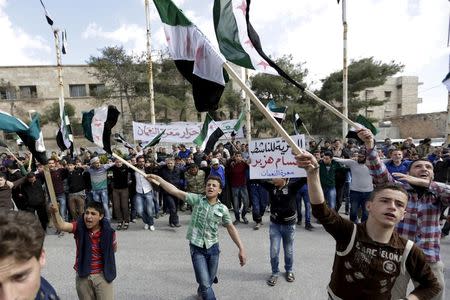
(127, 195)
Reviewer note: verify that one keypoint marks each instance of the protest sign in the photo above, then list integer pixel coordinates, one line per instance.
(272, 158)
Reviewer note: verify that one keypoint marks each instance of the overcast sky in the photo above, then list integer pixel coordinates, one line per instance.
(411, 32)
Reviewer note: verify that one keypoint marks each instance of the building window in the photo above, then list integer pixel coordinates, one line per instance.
(7, 94)
(28, 91)
(387, 94)
(399, 106)
(96, 89)
(77, 90)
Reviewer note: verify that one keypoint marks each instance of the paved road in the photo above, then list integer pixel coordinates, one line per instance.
(157, 265)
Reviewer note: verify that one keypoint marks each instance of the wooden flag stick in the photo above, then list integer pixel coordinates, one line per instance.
(9, 151)
(262, 109)
(272, 120)
(29, 162)
(133, 168)
(50, 188)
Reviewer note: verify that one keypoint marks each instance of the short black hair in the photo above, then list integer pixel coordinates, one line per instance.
(97, 206)
(387, 186)
(216, 178)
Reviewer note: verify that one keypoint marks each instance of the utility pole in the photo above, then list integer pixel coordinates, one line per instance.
(149, 64)
(344, 71)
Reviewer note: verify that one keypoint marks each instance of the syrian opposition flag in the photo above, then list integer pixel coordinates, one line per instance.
(97, 125)
(279, 113)
(155, 140)
(209, 135)
(64, 42)
(446, 81)
(64, 137)
(194, 56)
(298, 122)
(30, 135)
(47, 15)
(120, 139)
(239, 122)
(363, 123)
(239, 42)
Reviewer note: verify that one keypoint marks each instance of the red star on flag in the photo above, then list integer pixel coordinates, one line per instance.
(199, 55)
(243, 7)
(264, 64)
(248, 42)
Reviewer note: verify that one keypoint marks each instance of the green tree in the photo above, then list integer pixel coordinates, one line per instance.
(51, 113)
(362, 74)
(124, 76)
(267, 87)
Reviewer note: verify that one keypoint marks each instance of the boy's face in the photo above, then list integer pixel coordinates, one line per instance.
(2, 181)
(92, 218)
(387, 207)
(212, 188)
(20, 279)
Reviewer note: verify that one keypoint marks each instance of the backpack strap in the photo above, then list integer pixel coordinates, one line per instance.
(350, 244)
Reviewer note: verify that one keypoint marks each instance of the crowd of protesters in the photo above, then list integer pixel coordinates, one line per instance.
(348, 174)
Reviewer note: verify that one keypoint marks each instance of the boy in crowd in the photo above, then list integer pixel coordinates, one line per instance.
(207, 213)
(370, 256)
(22, 257)
(96, 243)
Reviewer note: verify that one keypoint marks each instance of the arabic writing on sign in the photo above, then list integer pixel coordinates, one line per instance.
(271, 158)
(178, 132)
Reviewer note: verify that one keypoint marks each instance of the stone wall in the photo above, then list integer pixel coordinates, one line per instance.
(421, 125)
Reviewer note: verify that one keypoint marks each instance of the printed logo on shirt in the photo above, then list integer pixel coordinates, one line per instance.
(389, 266)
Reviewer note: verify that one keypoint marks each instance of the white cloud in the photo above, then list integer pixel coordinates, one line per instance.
(18, 47)
(131, 35)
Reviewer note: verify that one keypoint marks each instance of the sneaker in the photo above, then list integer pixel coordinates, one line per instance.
(257, 226)
(235, 222)
(176, 225)
(244, 220)
(133, 221)
(146, 227)
(309, 227)
(152, 228)
(290, 277)
(299, 222)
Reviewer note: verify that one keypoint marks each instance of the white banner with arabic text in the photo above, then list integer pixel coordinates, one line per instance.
(179, 132)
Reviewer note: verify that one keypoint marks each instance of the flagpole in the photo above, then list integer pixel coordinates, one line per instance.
(263, 110)
(248, 123)
(344, 70)
(149, 64)
(117, 156)
(63, 118)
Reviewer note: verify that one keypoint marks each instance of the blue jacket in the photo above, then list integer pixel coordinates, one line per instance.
(106, 246)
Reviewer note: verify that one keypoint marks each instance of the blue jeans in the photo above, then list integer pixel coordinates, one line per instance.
(260, 200)
(358, 199)
(205, 262)
(330, 196)
(303, 194)
(277, 233)
(145, 207)
(61, 198)
(101, 196)
(240, 195)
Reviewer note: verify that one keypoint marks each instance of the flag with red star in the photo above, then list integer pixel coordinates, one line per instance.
(194, 56)
(238, 40)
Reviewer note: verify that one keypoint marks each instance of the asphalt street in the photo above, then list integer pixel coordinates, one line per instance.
(157, 265)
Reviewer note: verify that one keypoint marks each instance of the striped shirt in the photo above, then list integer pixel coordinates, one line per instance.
(204, 226)
(421, 221)
(96, 253)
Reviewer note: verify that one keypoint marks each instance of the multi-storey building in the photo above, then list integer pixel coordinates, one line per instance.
(401, 94)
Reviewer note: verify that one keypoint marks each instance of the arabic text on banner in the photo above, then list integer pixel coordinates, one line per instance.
(273, 158)
(179, 132)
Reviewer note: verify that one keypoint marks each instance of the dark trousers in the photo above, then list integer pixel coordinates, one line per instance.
(41, 211)
(171, 205)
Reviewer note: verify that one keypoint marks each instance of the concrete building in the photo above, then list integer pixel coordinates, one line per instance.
(401, 94)
(28, 89)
